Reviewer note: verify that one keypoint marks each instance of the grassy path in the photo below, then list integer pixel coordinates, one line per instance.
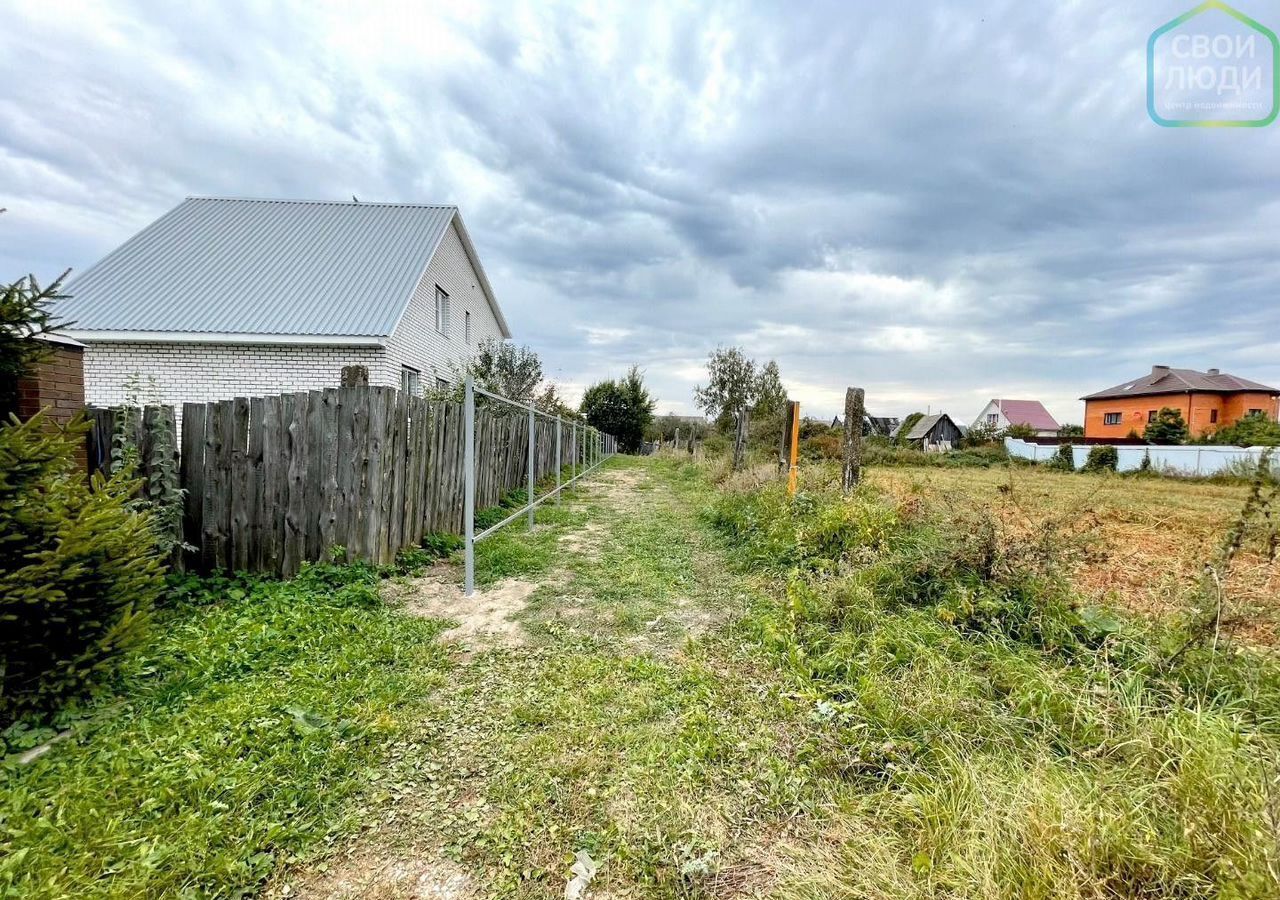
(614, 722)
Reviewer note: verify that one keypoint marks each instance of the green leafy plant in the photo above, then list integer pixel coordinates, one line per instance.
(1255, 430)
(80, 568)
(161, 493)
(1102, 458)
(1064, 460)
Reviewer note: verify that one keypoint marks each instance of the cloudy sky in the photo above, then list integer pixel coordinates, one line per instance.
(939, 201)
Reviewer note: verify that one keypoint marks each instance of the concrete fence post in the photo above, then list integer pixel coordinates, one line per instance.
(855, 410)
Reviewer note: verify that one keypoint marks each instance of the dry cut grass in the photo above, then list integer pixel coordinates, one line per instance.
(1140, 542)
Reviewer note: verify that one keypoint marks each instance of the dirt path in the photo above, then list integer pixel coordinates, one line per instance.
(588, 712)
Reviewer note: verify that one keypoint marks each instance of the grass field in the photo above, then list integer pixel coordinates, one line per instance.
(1138, 542)
(713, 690)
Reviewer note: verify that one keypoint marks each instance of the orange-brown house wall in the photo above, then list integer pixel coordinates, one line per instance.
(1196, 409)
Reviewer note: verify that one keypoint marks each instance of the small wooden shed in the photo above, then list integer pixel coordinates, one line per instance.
(935, 434)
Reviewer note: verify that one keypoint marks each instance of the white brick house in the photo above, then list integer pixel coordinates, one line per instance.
(227, 298)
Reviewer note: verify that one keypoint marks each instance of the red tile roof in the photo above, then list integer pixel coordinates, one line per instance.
(1028, 412)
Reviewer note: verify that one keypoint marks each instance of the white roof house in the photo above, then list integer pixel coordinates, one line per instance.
(1001, 414)
(222, 298)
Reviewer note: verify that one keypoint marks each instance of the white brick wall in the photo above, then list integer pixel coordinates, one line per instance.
(416, 343)
(196, 372)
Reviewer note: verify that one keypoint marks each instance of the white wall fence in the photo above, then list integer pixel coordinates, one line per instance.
(1181, 460)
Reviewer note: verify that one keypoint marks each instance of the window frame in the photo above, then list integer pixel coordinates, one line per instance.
(1113, 418)
(442, 311)
(411, 381)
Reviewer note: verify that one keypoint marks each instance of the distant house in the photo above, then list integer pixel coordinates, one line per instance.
(1000, 414)
(884, 426)
(934, 433)
(1207, 400)
(232, 298)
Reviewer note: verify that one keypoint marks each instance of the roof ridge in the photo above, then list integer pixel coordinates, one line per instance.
(324, 202)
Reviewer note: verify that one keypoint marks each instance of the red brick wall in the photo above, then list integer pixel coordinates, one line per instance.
(56, 386)
(1197, 410)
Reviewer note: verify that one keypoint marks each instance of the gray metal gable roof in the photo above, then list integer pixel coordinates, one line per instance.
(263, 267)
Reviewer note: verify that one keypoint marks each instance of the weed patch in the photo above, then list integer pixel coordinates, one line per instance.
(1006, 738)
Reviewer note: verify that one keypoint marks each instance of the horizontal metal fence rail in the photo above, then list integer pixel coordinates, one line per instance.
(594, 449)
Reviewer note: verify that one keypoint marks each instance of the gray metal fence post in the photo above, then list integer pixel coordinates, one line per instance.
(573, 451)
(558, 464)
(469, 484)
(532, 425)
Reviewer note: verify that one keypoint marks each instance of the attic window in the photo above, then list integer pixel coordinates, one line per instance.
(442, 310)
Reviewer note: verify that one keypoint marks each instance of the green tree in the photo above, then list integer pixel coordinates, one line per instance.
(25, 314)
(1168, 427)
(621, 408)
(502, 367)
(771, 396)
(1070, 431)
(79, 567)
(732, 389)
(1256, 430)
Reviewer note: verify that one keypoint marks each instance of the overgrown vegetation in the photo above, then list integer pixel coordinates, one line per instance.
(1005, 738)
(1254, 430)
(79, 568)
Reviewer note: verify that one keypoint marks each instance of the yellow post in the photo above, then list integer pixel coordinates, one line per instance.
(794, 473)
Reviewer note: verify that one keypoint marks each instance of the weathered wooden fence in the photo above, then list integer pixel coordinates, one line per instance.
(272, 482)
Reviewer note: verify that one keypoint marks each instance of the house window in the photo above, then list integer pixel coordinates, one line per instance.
(1213, 417)
(1255, 412)
(993, 418)
(442, 311)
(1111, 419)
(466, 322)
(1151, 415)
(442, 385)
(410, 381)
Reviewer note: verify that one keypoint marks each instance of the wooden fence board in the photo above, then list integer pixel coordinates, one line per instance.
(273, 482)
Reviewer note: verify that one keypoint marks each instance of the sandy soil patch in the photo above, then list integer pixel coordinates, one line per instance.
(380, 878)
(620, 489)
(486, 617)
(584, 541)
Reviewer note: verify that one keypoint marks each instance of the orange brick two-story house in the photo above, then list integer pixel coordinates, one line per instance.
(1208, 401)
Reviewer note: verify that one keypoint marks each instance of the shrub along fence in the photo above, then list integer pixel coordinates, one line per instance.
(271, 482)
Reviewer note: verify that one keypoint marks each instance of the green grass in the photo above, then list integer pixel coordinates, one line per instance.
(1002, 739)
(721, 693)
(240, 736)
